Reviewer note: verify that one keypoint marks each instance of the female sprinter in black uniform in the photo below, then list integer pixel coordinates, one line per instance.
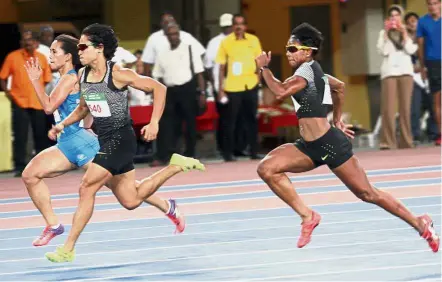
(321, 143)
(103, 87)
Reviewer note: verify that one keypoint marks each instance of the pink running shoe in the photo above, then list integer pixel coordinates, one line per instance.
(48, 234)
(429, 233)
(176, 217)
(307, 229)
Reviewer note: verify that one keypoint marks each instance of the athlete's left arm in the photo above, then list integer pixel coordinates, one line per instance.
(337, 92)
(125, 77)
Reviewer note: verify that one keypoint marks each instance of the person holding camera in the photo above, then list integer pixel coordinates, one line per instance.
(396, 47)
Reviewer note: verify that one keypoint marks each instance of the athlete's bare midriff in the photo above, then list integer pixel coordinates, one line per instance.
(313, 128)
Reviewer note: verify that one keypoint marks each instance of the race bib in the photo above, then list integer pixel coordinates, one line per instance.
(237, 68)
(57, 116)
(97, 104)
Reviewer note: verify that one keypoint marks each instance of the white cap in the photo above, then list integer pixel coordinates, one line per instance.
(225, 20)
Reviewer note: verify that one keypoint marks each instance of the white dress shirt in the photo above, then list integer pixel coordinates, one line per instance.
(395, 62)
(173, 66)
(209, 60)
(45, 50)
(123, 56)
(158, 41)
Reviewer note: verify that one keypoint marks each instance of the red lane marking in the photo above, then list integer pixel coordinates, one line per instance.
(216, 207)
(60, 203)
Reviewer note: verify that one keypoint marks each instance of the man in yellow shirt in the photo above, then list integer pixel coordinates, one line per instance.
(239, 89)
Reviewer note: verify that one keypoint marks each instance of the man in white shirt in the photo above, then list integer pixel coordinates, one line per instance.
(180, 67)
(225, 23)
(157, 41)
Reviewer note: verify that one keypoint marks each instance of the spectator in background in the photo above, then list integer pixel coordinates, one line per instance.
(124, 58)
(139, 66)
(429, 37)
(422, 100)
(25, 105)
(45, 50)
(46, 35)
(136, 96)
(225, 23)
(158, 41)
(178, 66)
(44, 42)
(396, 47)
(239, 89)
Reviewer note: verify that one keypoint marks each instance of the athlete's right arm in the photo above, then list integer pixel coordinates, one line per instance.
(64, 87)
(78, 114)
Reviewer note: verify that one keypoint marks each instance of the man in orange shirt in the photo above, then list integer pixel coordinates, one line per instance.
(25, 105)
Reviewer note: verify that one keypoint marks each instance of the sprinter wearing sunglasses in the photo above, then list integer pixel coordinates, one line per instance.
(76, 145)
(321, 143)
(103, 87)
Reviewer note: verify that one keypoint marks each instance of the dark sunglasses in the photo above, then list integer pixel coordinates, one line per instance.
(294, 48)
(83, 46)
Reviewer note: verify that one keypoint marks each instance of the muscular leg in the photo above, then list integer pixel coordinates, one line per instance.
(158, 202)
(272, 169)
(131, 194)
(94, 178)
(154, 200)
(353, 176)
(47, 164)
(128, 193)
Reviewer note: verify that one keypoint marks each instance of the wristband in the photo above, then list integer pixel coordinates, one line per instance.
(263, 68)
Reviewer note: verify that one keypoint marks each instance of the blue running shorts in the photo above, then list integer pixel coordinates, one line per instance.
(79, 147)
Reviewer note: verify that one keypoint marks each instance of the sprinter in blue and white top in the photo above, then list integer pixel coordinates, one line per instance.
(104, 95)
(76, 147)
(321, 143)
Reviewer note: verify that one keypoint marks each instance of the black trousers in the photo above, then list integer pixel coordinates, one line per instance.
(220, 108)
(181, 106)
(240, 130)
(242, 105)
(21, 117)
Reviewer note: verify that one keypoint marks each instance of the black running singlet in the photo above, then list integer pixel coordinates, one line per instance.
(313, 100)
(107, 104)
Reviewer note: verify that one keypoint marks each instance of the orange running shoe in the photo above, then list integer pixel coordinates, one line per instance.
(307, 229)
(429, 233)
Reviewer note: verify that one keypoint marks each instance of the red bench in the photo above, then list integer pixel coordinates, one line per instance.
(208, 121)
(141, 116)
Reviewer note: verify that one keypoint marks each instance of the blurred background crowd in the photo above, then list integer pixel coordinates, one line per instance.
(387, 52)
